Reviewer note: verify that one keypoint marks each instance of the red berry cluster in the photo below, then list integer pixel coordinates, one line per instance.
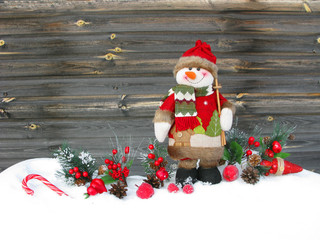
(251, 143)
(159, 164)
(276, 148)
(116, 170)
(77, 173)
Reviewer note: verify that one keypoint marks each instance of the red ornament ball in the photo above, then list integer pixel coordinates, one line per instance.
(172, 188)
(71, 171)
(249, 152)
(107, 161)
(114, 151)
(251, 140)
(78, 175)
(160, 159)
(110, 167)
(156, 163)
(145, 191)
(276, 147)
(162, 174)
(151, 147)
(256, 144)
(75, 169)
(85, 174)
(114, 166)
(111, 162)
(188, 189)
(151, 156)
(230, 173)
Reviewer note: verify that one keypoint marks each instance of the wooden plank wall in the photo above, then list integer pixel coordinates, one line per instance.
(56, 85)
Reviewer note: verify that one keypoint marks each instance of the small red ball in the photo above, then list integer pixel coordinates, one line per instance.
(270, 154)
(114, 151)
(151, 156)
(114, 167)
(107, 161)
(160, 159)
(271, 171)
(85, 174)
(145, 191)
(156, 163)
(75, 169)
(251, 140)
(274, 166)
(119, 164)
(266, 174)
(249, 152)
(256, 144)
(188, 189)
(110, 167)
(78, 175)
(172, 188)
(151, 147)
(111, 162)
(71, 171)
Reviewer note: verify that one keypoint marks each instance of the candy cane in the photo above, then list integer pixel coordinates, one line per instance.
(43, 180)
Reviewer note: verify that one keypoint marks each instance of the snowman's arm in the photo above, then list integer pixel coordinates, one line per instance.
(163, 121)
(226, 117)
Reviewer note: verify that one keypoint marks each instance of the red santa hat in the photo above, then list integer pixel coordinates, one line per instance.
(198, 56)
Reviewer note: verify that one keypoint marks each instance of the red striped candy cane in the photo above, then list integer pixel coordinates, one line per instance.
(43, 180)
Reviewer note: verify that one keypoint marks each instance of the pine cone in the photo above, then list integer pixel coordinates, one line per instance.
(250, 175)
(153, 181)
(254, 160)
(102, 169)
(291, 137)
(118, 189)
(80, 182)
(266, 140)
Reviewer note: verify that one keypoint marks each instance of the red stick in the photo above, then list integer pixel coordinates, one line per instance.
(43, 180)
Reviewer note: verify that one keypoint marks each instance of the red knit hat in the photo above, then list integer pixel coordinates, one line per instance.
(198, 56)
(201, 49)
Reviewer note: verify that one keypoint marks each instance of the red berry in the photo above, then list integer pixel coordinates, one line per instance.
(266, 174)
(256, 144)
(111, 162)
(162, 174)
(114, 167)
(110, 167)
(156, 163)
(151, 156)
(251, 140)
(271, 171)
(119, 165)
(124, 159)
(249, 152)
(114, 151)
(75, 169)
(145, 191)
(85, 174)
(270, 154)
(151, 147)
(274, 166)
(126, 150)
(160, 159)
(172, 188)
(107, 161)
(78, 175)
(276, 147)
(71, 171)
(188, 189)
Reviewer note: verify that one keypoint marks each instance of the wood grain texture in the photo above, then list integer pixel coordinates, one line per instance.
(63, 89)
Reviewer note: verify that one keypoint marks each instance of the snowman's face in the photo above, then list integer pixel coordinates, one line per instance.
(195, 77)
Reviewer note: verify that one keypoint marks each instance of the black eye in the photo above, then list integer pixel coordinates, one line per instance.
(190, 68)
(198, 69)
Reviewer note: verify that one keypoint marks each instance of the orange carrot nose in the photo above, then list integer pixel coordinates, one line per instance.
(191, 75)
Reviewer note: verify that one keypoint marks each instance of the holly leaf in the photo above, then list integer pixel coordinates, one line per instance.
(107, 179)
(236, 151)
(226, 155)
(129, 163)
(282, 155)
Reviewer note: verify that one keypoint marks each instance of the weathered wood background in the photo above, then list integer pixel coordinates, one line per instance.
(56, 85)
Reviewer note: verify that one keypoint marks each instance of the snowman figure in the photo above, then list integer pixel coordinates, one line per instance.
(189, 116)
